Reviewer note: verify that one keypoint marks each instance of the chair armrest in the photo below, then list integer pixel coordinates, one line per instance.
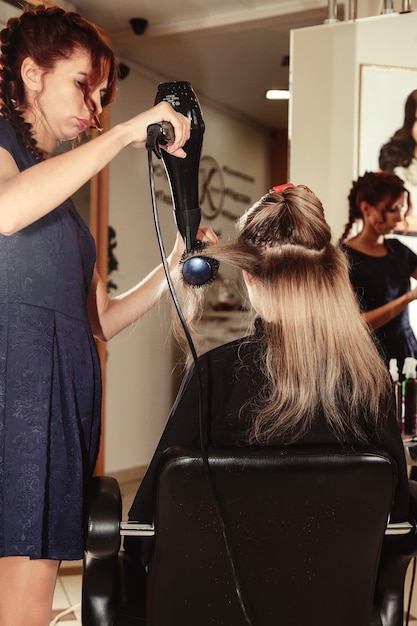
(412, 485)
(399, 528)
(102, 543)
(399, 547)
(102, 538)
(136, 529)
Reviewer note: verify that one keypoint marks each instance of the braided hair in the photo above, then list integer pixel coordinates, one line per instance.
(373, 187)
(48, 35)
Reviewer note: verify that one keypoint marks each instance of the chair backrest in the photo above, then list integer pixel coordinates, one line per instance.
(305, 526)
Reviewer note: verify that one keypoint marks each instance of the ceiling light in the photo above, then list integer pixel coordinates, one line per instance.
(277, 94)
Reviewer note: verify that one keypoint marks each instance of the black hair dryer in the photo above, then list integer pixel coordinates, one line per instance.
(183, 173)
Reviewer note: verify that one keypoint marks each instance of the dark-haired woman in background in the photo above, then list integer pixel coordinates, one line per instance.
(381, 266)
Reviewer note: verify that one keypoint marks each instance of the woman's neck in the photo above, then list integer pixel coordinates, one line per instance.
(368, 242)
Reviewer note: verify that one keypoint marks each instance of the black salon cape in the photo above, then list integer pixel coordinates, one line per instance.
(232, 378)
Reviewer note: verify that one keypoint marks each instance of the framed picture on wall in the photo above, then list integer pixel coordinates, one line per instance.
(388, 103)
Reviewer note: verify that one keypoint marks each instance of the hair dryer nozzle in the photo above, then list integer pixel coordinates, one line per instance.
(183, 173)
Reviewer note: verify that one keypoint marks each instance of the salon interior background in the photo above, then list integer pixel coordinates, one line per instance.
(231, 51)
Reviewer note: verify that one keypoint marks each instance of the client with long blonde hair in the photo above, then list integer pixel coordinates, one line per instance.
(310, 372)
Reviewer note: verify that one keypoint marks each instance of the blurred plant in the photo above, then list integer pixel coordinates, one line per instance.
(113, 263)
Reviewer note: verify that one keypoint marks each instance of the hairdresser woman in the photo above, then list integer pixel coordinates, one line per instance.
(381, 266)
(56, 75)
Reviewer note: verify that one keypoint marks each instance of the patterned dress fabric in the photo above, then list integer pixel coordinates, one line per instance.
(50, 380)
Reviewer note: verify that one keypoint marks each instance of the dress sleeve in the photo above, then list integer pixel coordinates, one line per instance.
(10, 142)
(407, 256)
(7, 136)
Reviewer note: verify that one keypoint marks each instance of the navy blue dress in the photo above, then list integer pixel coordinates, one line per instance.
(379, 280)
(50, 380)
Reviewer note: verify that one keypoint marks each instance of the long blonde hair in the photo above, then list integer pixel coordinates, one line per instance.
(317, 354)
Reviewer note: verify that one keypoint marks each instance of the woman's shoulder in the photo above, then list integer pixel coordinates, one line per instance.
(393, 246)
(357, 255)
(399, 247)
(402, 254)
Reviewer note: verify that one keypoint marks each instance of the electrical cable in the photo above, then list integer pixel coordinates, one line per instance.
(413, 577)
(202, 413)
(64, 613)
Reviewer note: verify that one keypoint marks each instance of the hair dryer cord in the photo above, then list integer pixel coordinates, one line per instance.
(202, 414)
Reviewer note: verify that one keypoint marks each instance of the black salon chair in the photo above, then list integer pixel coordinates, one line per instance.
(305, 542)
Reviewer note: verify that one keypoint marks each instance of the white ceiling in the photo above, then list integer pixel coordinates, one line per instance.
(231, 51)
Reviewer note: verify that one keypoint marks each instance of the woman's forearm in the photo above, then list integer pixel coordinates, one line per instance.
(29, 195)
(384, 314)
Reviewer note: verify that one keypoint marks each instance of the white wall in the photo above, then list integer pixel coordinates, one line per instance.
(324, 108)
(140, 359)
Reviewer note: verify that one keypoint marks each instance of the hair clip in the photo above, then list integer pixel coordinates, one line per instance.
(280, 188)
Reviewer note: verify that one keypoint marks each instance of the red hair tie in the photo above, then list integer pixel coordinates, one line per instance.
(280, 188)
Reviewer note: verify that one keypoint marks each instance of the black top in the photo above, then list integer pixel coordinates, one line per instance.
(379, 280)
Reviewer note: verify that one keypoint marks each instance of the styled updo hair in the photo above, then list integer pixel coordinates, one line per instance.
(48, 35)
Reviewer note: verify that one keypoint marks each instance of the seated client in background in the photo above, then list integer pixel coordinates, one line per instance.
(310, 372)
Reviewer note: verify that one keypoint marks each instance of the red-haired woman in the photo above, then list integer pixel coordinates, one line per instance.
(56, 74)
